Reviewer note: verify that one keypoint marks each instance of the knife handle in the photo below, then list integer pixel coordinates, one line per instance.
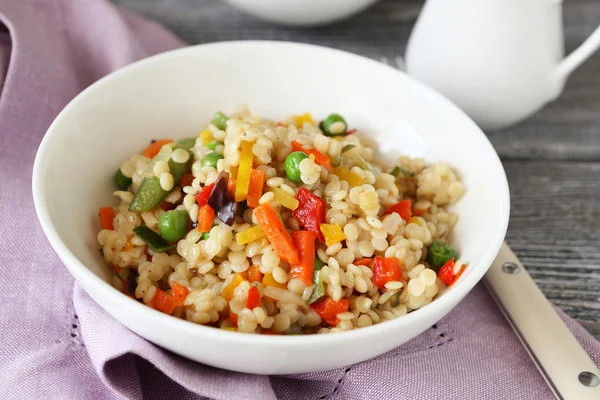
(560, 358)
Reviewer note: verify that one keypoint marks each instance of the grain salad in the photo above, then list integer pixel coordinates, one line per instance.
(289, 227)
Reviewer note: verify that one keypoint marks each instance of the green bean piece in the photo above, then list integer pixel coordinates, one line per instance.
(121, 181)
(319, 290)
(220, 120)
(186, 143)
(292, 165)
(152, 239)
(173, 225)
(439, 253)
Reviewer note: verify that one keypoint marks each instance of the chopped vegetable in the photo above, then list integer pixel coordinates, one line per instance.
(250, 235)
(254, 274)
(337, 160)
(205, 236)
(221, 201)
(206, 137)
(227, 291)
(403, 208)
(163, 302)
(397, 170)
(253, 298)
(204, 194)
(233, 318)
(319, 289)
(213, 144)
(332, 233)
(446, 273)
(334, 125)
(395, 299)
(180, 292)
(220, 120)
(386, 270)
(186, 180)
(107, 214)
(150, 194)
(320, 158)
(419, 211)
(363, 261)
(438, 253)
(348, 147)
(350, 132)
(244, 171)
(459, 273)
(155, 147)
(255, 188)
(211, 159)
(352, 178)
(186, 143)
(231, 186)
(292, 165)
(122, 182)
(173, 225)
(415, 220)
(310, 212)
(285, 199)
(268, 280)
(299, 120)
(271, 223)
(329, 309)
(206, 216)
(304, 242)
(155, 242)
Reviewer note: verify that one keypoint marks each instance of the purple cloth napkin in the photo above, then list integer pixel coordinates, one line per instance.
(58, 344)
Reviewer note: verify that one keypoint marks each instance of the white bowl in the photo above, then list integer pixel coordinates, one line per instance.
(174, 94)
(301, 12)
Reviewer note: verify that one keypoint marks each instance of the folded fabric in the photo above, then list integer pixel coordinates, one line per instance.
(58, 344)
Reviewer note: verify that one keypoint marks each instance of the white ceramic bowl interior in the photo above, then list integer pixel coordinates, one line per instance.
(301, 12)
(175, 94)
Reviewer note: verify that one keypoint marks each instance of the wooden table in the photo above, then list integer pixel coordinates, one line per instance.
(552, 160)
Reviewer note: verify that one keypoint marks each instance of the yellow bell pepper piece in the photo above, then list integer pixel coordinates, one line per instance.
(333, 233)
(245, 168)
(346, 175)
(299, 120)
(268, 280)
(285, 199)
(231, 328)
(250, 235)
(227, 291)
(233, 172)
(206, 137)
(415, 220)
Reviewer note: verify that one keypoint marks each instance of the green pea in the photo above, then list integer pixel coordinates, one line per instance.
(292, 165)
(121, 181)
(439, 253)
(173, 225)
(334, 125)
(220, 120)
(213, 145)
(211, 159)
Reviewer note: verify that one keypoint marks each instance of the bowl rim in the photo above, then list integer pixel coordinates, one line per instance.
(81, 273)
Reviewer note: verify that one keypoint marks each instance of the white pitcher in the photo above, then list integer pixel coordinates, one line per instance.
(499, 60)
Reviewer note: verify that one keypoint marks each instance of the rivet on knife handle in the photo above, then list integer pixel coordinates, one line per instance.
(562, 361)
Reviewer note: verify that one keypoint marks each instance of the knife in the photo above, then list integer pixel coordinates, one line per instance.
(559, 357)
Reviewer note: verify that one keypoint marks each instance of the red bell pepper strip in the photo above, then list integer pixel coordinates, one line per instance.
(107, 214)
(304, 242)
(310, 212)
(386, 270)
(329, 309)
(253, 298)
(403, 208)
(204, 194)
(446, 273)
(321, 159)
(363, 261)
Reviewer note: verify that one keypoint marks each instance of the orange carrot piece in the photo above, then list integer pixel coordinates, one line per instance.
(281, 240)
(254, 274)
(163, 302)
(363, 261)
(206, 216)
(253, 298)
(186, 180)
(321, 159)
(255, 190)
(304, 242)
(231, 186)
(155, 147)
(107, 214)
(180, 292)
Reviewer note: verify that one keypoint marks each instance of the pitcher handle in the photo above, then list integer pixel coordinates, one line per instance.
(578, 56)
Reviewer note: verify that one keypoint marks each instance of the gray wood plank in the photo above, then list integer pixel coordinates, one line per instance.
(550, 159)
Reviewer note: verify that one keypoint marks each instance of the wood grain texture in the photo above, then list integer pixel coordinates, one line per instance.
(552, 160)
